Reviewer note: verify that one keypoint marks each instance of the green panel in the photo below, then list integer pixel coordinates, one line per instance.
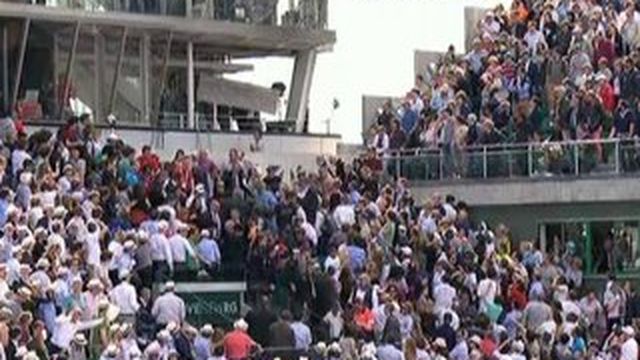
(217, 308)
(588, 250)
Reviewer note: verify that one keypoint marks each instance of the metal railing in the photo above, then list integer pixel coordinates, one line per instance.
(308, 14)
(525, 160)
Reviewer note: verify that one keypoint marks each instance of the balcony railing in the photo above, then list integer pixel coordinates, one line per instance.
(307, 14)
(532, 160)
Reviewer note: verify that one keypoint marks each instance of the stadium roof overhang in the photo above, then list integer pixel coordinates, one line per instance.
(222, 37)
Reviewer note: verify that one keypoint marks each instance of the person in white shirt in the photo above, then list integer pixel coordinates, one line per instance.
(180, 248)
(4, 286)
(92, 244)
(334, 319)
(302, 334)
(444, 296)
(168, 307)
(344, 214)
(487, 290)
(68, 325)
(161, 254)
(124, 296)
(629, 349)
(533, 37)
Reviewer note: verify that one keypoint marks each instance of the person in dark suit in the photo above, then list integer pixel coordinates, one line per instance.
(281, 337)
(260, 319)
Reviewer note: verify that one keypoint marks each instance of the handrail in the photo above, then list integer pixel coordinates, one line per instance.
(516, 160)
(520, 146)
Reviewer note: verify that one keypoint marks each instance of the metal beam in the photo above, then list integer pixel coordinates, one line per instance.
(205, 66)
(98, 71)
(116, 75)
(163, 76)
(145, 68)
(5, 67)
(23, 49)
(68, 72)
(191, 97)
(300, 87)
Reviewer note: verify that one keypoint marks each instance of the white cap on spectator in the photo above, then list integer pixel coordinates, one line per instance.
(80, 340)
(205, 233)
(169, 286)
(207, 329)
(95, 282)
(164, 335)
(241, 325)
(124, 274)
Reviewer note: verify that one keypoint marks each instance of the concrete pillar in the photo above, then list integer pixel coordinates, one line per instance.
(191, 98)
(98, 69)
(5, 66)
(145, 68)
(300, 87)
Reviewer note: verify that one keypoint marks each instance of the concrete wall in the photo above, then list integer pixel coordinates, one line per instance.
(422, 59)
(523, 204)
(472, 15)
(542, 191)
(286, 150)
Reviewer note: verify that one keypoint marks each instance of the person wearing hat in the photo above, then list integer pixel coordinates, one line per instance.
(629, 348)
(125, 297)
(78, 348)
(161, 253)
(181, 248)
(160, 347)
(208, 253)
(202, 345)
(238, 344)
(169, 307)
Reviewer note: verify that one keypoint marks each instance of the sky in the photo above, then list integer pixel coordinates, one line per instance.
(373, 55)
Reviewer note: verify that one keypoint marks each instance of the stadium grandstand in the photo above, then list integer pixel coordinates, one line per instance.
(151, 208)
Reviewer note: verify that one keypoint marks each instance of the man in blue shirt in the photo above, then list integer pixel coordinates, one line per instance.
(409, 118)
(208, 252)
(4, 205)
(202, 343)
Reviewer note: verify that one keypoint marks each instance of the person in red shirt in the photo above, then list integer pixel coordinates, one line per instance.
(517, 294)
(238, 344)
(606, 93)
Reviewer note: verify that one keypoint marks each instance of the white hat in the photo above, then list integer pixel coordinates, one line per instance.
(129, 244)
(628, 330)
(164, 335)
(80, 339)
(172, 326)
(112, 350)
(26, 177)
(31, 355)
(24, 291)
(206, 329)
(21, 351)
(124, 273)
(440, 342)
(95, 282)
(241, 325)
(205, 233)
(169, 286)
(518, 346)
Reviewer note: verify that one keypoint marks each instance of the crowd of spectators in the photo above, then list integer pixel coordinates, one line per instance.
(540, 71)
(340, 263)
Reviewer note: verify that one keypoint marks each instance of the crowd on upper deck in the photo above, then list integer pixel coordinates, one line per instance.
(540, 70)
